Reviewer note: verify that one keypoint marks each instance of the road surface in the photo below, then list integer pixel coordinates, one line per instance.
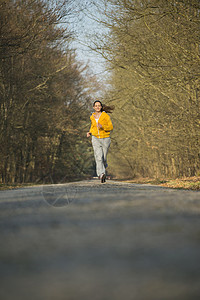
(112, 241)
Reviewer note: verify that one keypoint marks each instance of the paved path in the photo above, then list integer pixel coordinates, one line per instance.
(92, 241)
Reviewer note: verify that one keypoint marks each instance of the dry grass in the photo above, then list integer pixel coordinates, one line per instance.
(13, 186)
(188, 183)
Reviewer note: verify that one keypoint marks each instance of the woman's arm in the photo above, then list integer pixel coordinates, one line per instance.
(107, 126)
(89, 133)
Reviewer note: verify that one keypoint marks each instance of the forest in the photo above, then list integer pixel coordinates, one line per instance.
(46, 94)
(152, 53)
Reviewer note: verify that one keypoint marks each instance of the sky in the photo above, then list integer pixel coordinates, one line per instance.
(84, 26)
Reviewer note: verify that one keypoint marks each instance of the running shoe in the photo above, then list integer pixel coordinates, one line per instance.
(103, 178)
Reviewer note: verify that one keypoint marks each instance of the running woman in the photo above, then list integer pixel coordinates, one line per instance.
(100, 129)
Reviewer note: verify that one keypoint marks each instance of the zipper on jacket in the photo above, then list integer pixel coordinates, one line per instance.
(98, 127)
(98, 130)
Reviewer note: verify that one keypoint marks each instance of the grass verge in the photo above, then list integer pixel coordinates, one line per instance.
(188, 183)
(14, 186)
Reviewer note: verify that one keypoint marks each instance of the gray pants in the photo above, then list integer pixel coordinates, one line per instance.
(101, 147)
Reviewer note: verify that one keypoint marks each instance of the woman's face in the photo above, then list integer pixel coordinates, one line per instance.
(97, 106)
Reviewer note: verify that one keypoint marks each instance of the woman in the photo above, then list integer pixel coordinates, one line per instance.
(101, 126)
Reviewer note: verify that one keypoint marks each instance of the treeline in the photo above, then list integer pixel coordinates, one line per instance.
(44, 95)
(153, 55)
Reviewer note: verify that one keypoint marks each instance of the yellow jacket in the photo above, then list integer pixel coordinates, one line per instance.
(106, 123)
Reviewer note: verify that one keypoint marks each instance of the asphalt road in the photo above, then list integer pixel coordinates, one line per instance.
(112, 241)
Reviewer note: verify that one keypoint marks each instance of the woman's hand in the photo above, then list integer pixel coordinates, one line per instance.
(88, 134)
(99, 125)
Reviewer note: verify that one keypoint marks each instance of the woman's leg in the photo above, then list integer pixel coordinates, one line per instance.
(105, 145)
(99, 155)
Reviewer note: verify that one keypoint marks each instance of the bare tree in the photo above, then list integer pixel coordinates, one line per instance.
(44, 94)
(152, 52)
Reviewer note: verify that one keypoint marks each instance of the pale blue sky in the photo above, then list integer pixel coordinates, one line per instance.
(83, 26)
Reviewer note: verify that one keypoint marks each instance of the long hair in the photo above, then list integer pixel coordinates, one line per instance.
(106, 108)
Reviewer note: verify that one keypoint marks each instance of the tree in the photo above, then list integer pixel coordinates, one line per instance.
(44, 91)
(153, 54)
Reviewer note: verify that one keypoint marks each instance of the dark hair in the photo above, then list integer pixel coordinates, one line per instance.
(106, 108)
